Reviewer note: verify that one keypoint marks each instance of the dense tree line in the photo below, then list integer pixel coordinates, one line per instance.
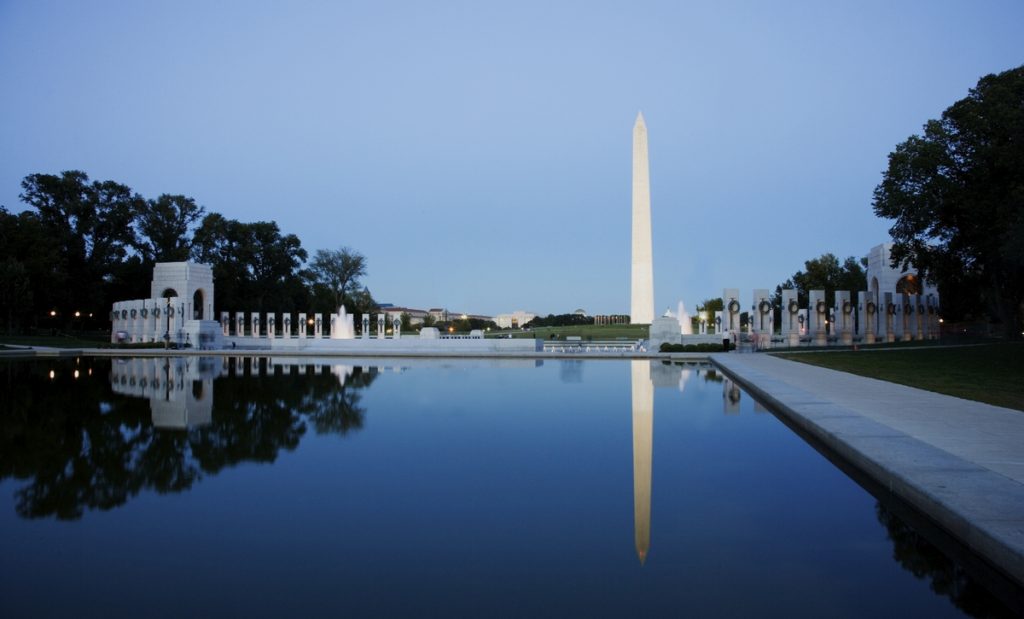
(84, 244)
(559, 320)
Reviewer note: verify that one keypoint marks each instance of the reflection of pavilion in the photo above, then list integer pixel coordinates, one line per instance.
(179, 389)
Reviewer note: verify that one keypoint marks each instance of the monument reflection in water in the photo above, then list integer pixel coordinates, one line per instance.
(452, 487)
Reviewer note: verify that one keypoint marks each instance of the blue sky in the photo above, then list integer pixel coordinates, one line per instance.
(478, 153)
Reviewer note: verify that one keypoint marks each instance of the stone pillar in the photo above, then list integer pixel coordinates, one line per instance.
(919, 316)
(867, 316)
(731, 310)
(255, 319)
(381, 334)
(366, 326)
(271, 326)
(240, 324)
(844, 316)
(719, 322)
(286, 325)
(318, 326)
(933, 317)
(791, 317)
(906, 309)
(763, 315)
(302, 325)
(890, 309)
(225, 324)
(396, 328)
(817, 315)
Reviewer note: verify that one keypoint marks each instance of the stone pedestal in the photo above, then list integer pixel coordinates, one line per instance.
(302, 325)
(396, 328)
(366, 326)
(271, 326)
(225, 324)
(664, 330)
(381, 327)
(318, 326)
(240, 324)
(255, 320)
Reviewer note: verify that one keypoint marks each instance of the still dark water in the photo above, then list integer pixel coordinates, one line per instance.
(237, 487)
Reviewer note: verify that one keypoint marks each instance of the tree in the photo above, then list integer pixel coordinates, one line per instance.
(956, 195)
(254, 265)
(91, 224)
(164, 227)
(824, 273)
(338, 270)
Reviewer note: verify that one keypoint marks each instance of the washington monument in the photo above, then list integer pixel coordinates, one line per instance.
(641, 305)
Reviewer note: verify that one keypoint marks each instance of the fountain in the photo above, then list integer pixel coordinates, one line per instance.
(685, 324)
(342, 327)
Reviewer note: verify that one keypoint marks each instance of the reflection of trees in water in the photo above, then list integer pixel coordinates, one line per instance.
(80, 448)
(924, 560)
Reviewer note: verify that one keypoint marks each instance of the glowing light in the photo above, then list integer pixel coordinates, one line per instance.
(78, 314)
(52, 374)
(53, 312)
(76, 373)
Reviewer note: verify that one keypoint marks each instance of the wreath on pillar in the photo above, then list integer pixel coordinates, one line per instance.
(794, 307)
(801, 319)
(170, 311)
(820, 307)
(847, 307)
(908, 309)
(765, 306)
(156, 312)
(891, 309)
(734, 306)
(134, 313)
(718, 320)
(871, 307)
(145, 312)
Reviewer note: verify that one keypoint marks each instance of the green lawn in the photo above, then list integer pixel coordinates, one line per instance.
(992, 373)
(597, 332)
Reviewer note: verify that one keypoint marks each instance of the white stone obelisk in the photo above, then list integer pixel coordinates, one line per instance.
(641, 306)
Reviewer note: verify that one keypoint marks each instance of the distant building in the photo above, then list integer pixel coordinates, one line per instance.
(580, 312)
(611, 319)
(416, 316)
(514, 320)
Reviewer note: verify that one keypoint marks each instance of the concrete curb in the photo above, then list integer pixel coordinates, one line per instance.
(981, 508)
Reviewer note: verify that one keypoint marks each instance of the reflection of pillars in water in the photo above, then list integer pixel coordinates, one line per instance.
(730, 397)
(643, 434)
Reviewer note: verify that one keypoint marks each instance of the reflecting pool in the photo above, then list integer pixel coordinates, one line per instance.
(266, 487)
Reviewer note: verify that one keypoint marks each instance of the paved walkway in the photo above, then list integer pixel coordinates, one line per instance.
(958, 461)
